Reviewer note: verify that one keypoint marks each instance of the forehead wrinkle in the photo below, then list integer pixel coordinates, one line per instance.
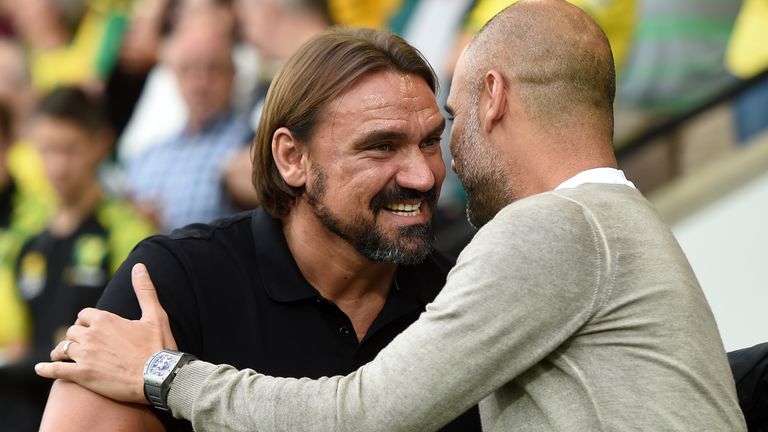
(336, 113)
(385, 109)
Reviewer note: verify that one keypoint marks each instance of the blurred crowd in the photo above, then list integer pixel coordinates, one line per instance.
(122, 118)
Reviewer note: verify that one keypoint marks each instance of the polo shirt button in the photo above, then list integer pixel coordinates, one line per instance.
(344, 331)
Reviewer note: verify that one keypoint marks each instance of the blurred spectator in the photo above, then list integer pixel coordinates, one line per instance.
(748, 56)
(25, 195)
(677, 60)
(157, 112)
(16, 91)
(370, 13)
(160, 111)
(180, 181)
(21, 215)
(66, 267)
(276, 28)
(136, 55)
(70, 41)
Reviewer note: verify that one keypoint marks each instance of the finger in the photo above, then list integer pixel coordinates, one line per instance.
(65, 350)
(146, 293)
(57, 370)
(87, 316)
(151, 309)
(75, 333)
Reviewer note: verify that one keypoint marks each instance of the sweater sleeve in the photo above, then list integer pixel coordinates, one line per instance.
(525, 285)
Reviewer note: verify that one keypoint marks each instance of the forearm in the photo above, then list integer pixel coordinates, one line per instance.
(71, 407)
(417, 383)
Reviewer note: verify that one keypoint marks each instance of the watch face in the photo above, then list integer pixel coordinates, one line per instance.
(162, 364)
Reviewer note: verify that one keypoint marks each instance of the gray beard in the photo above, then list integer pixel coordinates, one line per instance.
(367, 238)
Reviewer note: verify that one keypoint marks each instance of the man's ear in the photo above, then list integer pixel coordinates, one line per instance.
(289, 155)
(495, 100)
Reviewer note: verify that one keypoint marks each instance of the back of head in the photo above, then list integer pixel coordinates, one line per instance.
(308, 82)
(557, 58)
(72, 104)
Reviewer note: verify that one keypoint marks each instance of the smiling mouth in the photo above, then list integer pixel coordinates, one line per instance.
(402, 209)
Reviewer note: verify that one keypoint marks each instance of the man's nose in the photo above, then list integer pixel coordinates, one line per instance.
(416, 172)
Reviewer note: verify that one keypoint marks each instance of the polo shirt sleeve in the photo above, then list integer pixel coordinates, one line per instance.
(175, 290)
(528, 281)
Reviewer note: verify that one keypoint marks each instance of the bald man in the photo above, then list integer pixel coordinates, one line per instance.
(573, 309)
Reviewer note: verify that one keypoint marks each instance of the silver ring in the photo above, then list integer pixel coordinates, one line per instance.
(66, 347)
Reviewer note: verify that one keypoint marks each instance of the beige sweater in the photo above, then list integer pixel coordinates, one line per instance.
(572, 310)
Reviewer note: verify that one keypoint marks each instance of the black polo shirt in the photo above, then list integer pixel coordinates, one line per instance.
(235, 295)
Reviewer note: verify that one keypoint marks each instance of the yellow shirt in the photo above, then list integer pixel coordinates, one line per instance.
(747, 53)
(29, 216)
(371, 13)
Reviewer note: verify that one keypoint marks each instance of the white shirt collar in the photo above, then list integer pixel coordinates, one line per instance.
(596, 175)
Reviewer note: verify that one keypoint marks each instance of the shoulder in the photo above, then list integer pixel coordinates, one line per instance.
(536, 218)
(231, 227)
(202, 245)
(121, 217)
(545, 231)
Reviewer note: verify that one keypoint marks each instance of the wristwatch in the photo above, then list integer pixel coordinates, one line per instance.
(159, 372)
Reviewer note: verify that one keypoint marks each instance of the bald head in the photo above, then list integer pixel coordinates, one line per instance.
(556, 57)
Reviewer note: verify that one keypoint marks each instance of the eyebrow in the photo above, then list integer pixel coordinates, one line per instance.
(390, 135)
(437, 131)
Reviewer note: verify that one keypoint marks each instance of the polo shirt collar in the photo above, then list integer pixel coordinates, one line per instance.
(604, 175)
(280, 275)
(283, 281)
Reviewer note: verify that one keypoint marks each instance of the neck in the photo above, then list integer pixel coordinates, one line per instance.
(334, 268)
(71, 214)
(543, 166)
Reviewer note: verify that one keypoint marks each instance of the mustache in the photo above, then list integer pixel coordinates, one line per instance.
(397, 193)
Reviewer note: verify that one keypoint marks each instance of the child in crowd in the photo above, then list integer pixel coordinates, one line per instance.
(66, 267)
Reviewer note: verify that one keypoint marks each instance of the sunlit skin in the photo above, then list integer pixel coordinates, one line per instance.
(383, 132)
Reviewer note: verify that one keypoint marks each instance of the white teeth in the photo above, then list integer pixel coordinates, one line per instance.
(401, 209)
(408, 213)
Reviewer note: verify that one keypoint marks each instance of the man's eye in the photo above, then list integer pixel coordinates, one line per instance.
(382, 147)
(431, 142)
